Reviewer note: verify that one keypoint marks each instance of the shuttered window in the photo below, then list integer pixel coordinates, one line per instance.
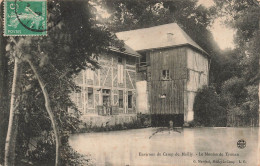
(121, 99)
(130, 99)
(90, 98)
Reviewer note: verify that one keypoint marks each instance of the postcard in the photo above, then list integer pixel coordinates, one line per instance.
(129, 83)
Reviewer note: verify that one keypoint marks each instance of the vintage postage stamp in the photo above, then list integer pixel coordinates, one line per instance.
(25, 17)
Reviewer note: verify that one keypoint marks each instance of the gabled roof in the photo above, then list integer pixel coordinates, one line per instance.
(127, 50)
(156, 37)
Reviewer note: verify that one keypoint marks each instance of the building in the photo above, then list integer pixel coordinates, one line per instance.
(172, 67)
(108, 94)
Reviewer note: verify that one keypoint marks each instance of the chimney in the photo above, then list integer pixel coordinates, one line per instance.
(169, 37)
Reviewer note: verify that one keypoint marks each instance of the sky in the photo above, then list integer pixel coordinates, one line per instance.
(222, 34)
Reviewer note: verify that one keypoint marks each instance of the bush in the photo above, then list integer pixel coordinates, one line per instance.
(209, 108)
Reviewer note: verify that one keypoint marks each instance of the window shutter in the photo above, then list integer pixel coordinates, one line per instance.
(118, 74)
(120, 94)
(122, 74)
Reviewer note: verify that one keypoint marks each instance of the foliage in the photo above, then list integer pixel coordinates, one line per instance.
(228, 66)
(209, 108)
(235, 88)
(240, 89)
(74, 41)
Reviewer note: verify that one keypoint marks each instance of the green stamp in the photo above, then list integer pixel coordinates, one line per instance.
(25, 18)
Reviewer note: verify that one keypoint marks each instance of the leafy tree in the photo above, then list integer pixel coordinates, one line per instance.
(74, 41)
(243, 16)
(209, 108)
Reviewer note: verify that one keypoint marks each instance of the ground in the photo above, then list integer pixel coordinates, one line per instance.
(154, 146)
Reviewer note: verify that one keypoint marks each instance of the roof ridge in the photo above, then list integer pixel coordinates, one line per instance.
(147, 27)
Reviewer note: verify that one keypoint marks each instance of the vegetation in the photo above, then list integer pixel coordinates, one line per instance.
(210, 108)
(237, 77)
(50, 63)
(241, 87)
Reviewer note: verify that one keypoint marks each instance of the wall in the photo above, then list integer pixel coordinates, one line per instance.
(174, 60)
(198, 72)
(108, 77)
(142, 97)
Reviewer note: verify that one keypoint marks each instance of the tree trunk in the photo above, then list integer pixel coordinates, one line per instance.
(48, 108)
(13, 117)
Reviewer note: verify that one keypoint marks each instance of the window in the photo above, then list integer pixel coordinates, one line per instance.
(90, 98)
(106, 92)
(143, 60)
(130, 60)
(120, 60)
(121, 99)
(120, 71)
(165, 75)
(106, 97)
(130, 99)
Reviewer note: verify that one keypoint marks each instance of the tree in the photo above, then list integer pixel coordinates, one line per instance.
(74, 41)
(243, 16)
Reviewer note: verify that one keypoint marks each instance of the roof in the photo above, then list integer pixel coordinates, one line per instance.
(127, 51)
(156, 37)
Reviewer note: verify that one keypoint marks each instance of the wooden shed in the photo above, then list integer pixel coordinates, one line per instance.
(173, 66)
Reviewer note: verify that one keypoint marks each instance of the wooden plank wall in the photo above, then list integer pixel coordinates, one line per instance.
(174, 60)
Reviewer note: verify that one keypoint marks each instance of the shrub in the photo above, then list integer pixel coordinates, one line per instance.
(209, 108)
